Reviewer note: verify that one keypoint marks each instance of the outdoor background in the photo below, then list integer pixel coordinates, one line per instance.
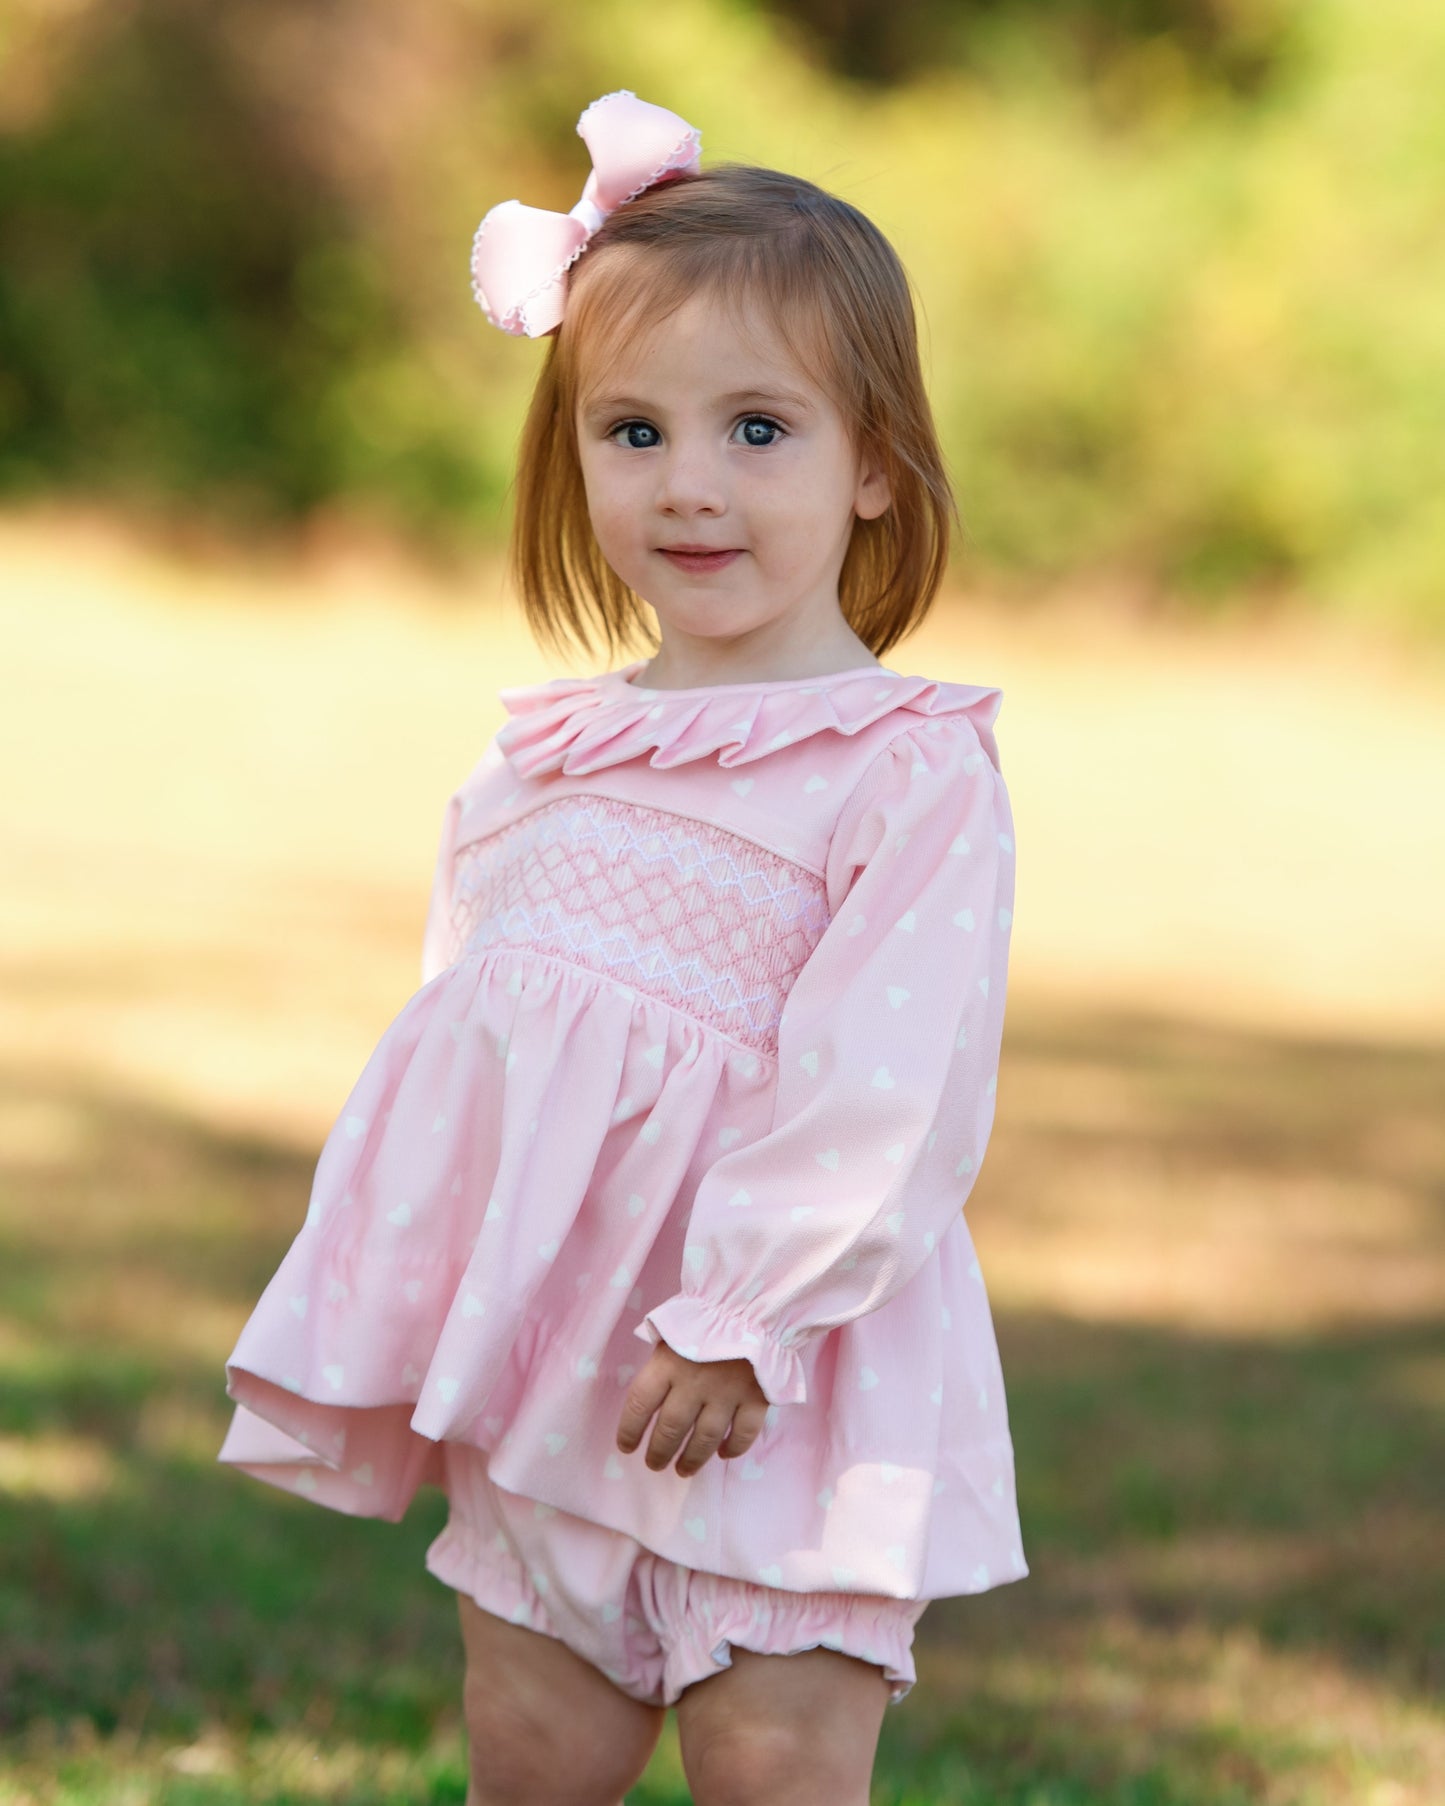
(1181, 272)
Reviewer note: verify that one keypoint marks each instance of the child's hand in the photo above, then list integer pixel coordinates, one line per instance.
(719, 1402)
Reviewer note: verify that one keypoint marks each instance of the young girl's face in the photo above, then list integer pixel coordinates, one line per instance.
(704, 436)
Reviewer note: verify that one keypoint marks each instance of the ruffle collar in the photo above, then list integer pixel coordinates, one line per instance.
(581, 724)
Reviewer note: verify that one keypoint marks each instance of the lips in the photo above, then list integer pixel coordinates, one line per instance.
(699, 558)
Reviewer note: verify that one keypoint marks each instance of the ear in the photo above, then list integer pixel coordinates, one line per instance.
(873, 495)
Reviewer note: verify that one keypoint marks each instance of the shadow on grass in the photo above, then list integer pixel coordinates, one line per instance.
(1179, 1490)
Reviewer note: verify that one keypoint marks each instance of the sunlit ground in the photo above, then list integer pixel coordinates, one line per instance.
(1212, 1216)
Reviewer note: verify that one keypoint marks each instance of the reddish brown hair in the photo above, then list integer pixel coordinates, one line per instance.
(839, 298)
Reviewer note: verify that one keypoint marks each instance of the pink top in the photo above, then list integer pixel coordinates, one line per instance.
(706, 1050)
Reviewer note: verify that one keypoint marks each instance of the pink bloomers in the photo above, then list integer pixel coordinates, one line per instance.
(652, 1626)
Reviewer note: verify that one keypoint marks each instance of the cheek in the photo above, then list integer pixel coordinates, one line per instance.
(797, 506)
(611, 489)
(613, 523)
(606, 502)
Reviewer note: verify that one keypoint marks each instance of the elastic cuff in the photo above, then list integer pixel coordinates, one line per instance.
(701, 1332)
(724, 1615)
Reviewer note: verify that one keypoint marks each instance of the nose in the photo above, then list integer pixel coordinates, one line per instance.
(690, 482)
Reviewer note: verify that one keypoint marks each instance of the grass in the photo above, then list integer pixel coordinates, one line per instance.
(1215, 1251)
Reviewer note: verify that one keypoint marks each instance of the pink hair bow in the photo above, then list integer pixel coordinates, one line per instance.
(521, 255)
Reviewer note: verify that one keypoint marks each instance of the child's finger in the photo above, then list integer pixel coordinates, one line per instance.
(708, 1432)
(644, 1396)
(674, 1420)
(747, 1427)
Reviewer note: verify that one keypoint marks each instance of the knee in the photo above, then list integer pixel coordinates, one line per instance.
(753, 1764)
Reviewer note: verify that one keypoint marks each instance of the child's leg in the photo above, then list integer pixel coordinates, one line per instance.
(783, 1730)
(546, 1728)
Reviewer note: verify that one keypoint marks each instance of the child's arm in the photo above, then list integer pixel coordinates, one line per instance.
(437, 943)
(888, 1053)
(440, 937)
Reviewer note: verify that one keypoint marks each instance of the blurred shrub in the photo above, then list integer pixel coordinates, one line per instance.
(1181, 261)
(1232, 44)
(198, 303)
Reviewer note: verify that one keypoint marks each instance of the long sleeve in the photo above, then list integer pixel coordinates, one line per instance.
(888, 1051)
(438, 937)
(468, 808)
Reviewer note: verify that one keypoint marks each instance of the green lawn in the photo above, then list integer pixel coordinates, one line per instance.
(1235, 1535)
(1216, 1253)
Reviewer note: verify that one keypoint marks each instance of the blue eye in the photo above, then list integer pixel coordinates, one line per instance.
(758, 430)
(636, 426)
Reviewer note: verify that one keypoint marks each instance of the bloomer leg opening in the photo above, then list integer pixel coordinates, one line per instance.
(711, 1618)
(542, 1570)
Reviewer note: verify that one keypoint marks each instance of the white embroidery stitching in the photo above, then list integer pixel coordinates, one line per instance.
(692, 914)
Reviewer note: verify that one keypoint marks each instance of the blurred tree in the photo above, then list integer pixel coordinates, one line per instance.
(151, 226)
(193, 300)
(1181, 265)
(1234, 44)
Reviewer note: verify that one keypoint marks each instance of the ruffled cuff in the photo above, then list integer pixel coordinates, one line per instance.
(701, 1332)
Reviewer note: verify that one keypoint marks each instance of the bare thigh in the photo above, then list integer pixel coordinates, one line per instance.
(783, 1730)
(544, 1727)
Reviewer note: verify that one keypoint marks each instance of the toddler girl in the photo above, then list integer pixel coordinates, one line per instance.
(641, 1233)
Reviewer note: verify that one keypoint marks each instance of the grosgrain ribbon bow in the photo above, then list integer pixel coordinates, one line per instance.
(521, 255)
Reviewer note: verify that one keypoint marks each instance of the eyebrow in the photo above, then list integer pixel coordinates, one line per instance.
(606, 404)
